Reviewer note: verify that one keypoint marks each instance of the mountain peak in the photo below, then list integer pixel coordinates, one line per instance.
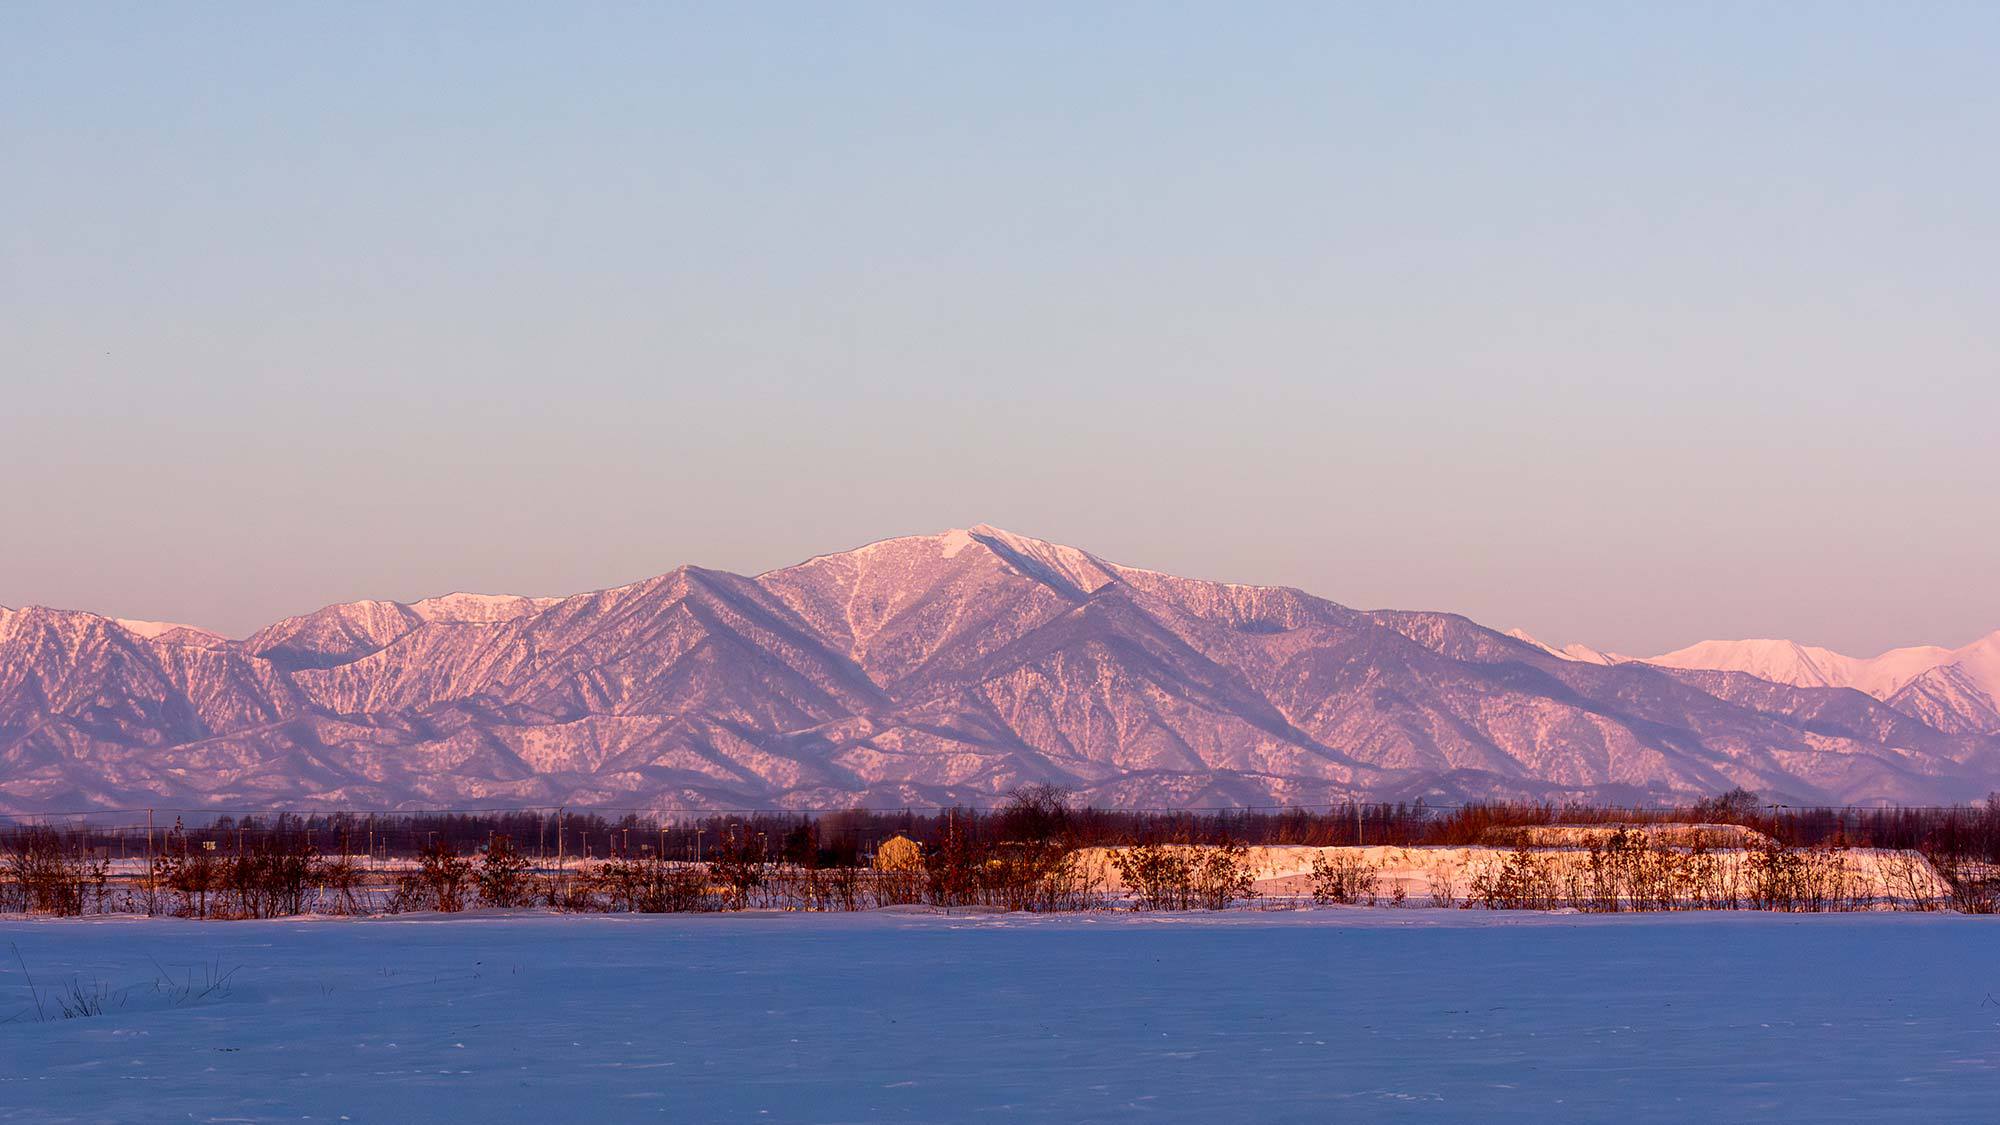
(463, 607)
(1078, 572)
(1883, 676)
(1579, 653)
(931, 669)
(1072, 571)
(1767, 658)
(170, 632)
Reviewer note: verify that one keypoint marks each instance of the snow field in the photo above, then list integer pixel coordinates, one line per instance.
(1408, 1015)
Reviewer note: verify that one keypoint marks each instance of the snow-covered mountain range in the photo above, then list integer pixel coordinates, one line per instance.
(941, 668)
(1953, 689)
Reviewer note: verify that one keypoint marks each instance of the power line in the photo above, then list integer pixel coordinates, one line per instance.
(661, 810)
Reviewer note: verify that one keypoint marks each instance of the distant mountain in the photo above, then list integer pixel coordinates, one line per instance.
(1948, 698)
(1581, 653)
(927, 670)
(1952, 689)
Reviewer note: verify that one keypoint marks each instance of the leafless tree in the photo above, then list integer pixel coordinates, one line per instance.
(505, 876)
(1340, 878)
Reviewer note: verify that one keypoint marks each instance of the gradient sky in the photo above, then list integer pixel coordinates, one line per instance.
(1632, 325)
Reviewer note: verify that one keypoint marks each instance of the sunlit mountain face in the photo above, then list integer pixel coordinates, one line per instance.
(949, 668)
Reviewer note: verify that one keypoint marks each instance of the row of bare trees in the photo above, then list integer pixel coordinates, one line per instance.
(1965, 833)
(47, 871)
(1968, 832)
(1037, 852)
(1625, 871)
(742, 875)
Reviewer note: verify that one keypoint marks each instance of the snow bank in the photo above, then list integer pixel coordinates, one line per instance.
(1710, 836)
(1885, 876)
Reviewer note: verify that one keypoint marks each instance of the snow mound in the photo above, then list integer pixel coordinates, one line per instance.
(1425, 874)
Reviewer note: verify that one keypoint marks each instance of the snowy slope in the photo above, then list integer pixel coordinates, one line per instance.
(1578, 652)
(168, 630)
(1788, 662)
(1953, 689)
(1948, 698)
(920, 670)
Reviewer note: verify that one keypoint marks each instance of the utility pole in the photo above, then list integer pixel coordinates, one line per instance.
(561, 821)
(149, 862)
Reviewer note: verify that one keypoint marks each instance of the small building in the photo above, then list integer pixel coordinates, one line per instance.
(899, 853)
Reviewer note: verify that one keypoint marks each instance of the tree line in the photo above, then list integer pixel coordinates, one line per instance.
(1034, 852)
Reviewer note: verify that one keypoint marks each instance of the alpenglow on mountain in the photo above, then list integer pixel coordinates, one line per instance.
(922, 671)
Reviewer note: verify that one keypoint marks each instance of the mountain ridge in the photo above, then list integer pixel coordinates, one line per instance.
(924, 670)
(1955, 686)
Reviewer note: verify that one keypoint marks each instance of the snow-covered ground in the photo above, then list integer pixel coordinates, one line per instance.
(1418, 1015)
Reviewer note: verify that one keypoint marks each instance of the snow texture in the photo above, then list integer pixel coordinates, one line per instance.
(1400, 1015)
(1788, 662)
(931, 670)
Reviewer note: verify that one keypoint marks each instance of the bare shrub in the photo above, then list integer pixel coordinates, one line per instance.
(1223, 875)
(953, 868)
(505, 876)
(1524, 881)
(1973, 890)
(1185, 876)
(441, 882)
(621, 883)
(1970, 888)
(1906, 879)
(1738, 806)
(574, 892)
(1157, 876)
(270, 878)
(1088, 876)
(1804, 880)
(652, 885)
(825, 888)
(341, 883)
(1635, 870)
(193, 878)
(738, 867)
(1444, 888)
(1344, 879)
(1700, 879)
(50, 875)
(1021, 875)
